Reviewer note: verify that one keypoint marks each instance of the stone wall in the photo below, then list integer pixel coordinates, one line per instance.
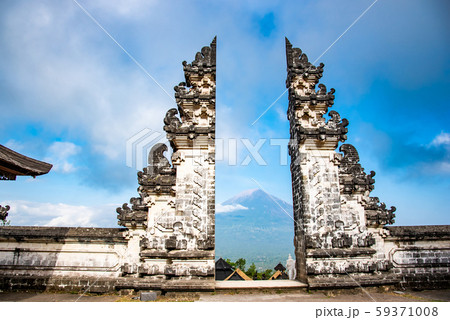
(61, 258)
(420, 255)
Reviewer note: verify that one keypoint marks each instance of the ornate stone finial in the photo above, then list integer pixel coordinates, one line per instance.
(159, 176)
(377, 214)
(298, 63)
(353, 179)
(4, 212)
(125, 209)
(207, 56)
(157, 162)
(307, 106)
(171, 121)
(351, 156)
(129, 217)
(204, 62)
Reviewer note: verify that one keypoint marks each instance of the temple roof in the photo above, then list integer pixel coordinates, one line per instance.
(238, 274)
(222, 265)
(14, 164)
(280, 267)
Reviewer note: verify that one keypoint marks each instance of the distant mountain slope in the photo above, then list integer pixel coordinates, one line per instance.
(256, 226)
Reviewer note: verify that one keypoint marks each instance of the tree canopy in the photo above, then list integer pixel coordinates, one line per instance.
(252, 271)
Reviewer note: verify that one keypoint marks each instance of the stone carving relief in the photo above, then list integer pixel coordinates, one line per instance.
(4, 212)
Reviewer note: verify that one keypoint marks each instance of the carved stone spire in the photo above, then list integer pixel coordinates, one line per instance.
(196, 98)
(307, 106)
(298, 64)
(204, 62)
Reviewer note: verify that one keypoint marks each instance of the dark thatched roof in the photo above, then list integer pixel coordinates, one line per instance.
(223, 265)
(280, 267)
(14, 164)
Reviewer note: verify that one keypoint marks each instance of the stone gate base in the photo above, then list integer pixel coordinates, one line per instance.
(96, 259)
(79, 259)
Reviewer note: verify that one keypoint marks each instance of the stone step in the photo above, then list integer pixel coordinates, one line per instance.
(260, 284)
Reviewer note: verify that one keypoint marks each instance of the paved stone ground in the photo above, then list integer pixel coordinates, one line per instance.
(257, 296)
(367, 295)
(54, 297)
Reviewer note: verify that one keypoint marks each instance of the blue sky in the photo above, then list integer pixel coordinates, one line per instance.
(70, 96)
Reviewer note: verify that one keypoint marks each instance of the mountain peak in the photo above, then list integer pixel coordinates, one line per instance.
(255, 197)
(248, 192)
(245, 194)
(256, 226)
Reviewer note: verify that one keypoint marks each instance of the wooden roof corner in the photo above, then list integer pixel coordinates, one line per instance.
(275, 275)
(241, 274)
(14, 164)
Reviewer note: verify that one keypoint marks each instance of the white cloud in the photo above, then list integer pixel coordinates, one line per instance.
(76, 79)
(229, 208)
(443, 166)
(282, 113)
(14, 145)
(59, 154)
(124, 8)
(60, 214)
(439, 167)
(441, 139)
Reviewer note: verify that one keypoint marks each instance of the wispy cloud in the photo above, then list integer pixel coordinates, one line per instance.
(14, 145)
(229, 208)
(441, 139)
(59, 214)
(60, 153)
(415, 160)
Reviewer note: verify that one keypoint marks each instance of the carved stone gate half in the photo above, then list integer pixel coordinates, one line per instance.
(339, 227)
(172, 220)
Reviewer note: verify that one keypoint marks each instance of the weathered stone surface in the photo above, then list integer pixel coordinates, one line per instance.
(431, 232)
(420, 255)
(328, 253)
(62, 234)
(148, 296)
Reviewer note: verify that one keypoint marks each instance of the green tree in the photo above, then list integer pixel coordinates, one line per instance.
(267, 274)
(231, 263)
(240, 263)
(252, 272)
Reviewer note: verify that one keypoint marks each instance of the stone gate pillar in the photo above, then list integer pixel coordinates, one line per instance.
(171, 223)
(338, 226)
